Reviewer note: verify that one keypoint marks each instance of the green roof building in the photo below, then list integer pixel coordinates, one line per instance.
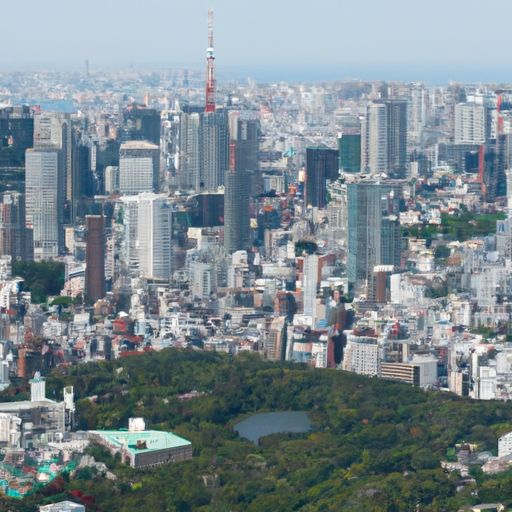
(144, 448)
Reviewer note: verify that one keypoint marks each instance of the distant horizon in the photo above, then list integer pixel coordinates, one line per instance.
(429, 74)
(268, 40)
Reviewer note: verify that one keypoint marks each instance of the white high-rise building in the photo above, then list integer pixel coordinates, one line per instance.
(138, 167)
(310, 285)
(147, 244)
(470, 123)
(417, 111)
(130, 223)
(374, 141)
(154, 236)
(44, 208)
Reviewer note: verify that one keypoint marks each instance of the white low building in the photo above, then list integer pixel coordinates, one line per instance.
(505, 445)
(62, 506)
(361, 355)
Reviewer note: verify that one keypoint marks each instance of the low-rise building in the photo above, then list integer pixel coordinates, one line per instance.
(62, 506)
(142, 448)
(402, 372)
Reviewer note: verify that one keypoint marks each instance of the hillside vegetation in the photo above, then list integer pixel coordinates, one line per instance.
(375, 446)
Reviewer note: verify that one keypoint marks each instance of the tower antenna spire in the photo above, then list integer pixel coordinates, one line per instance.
(210, 68)
(210, 28)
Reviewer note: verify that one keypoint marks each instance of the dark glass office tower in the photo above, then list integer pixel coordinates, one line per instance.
(15, 239)
(321, 165)
(373, 229)
(349, 147)
(236, 210)
(16, 135)
(213, 147)
(247, 144)
(141, 123)
(397, 137)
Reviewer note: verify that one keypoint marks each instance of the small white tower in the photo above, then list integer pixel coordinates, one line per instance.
(37, 388)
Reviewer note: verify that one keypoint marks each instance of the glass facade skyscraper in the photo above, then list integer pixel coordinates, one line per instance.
(373, 229)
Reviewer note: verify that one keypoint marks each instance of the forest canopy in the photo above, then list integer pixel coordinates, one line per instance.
(375, 445)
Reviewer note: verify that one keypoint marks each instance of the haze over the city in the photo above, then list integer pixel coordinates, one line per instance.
(289, 40)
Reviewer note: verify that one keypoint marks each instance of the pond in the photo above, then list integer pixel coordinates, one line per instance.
(266, 423)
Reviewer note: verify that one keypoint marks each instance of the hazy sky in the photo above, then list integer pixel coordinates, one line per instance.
(330, 38)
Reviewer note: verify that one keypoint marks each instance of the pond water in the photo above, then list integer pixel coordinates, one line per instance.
(266, 423)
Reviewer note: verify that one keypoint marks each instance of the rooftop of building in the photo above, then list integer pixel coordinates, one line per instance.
(27, 404)
(142, 441)
(61, 506)
(138, 144)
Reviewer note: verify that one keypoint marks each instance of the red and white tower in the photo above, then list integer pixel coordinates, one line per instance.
(210, 68)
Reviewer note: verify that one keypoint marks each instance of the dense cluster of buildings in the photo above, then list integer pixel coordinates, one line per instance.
(365, 226)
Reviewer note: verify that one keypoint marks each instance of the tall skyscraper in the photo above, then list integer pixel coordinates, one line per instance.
(214, 148)
(244, 133)
(95, 258)
(16, 135)
(189, 155)
(322, 164)
(494, 160)
(154, 236)
(243, 161)
(141, 123)
(214, 139)
(56, 130)
(138, 167)
(470, 123)
(148, 247)
(68, 139)
(83, 178)
(310, 285)
(44, 205)
(130, 256)
(349, 147)
(384, 138)
(417, 112)
(397, 137)
(374, 146)
(15, 239)
(236, 210)
(373, 229)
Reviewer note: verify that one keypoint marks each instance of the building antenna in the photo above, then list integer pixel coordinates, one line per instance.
(210, 68)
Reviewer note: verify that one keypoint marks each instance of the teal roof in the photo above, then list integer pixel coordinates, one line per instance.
(154, 439)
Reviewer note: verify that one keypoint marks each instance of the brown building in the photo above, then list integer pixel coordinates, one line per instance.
(95, 258)
(403, 372)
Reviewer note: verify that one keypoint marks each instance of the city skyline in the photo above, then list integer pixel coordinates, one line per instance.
(212, 221)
